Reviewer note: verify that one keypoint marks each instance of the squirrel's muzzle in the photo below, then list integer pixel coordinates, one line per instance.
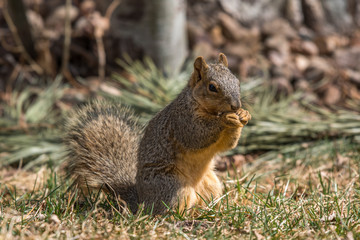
(235, 105)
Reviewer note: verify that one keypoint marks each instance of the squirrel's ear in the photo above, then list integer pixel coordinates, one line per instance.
(200, 66)
(223, 60)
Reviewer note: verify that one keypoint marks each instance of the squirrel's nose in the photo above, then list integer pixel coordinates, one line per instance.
(235, 105)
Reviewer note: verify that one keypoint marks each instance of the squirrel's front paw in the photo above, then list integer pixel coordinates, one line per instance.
(232, 120)
(244, 116)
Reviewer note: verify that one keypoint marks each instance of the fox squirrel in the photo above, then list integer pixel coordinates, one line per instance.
(169, 163)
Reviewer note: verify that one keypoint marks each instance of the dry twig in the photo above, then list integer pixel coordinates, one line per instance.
(66, 51)
(101, 25)
(36, 67)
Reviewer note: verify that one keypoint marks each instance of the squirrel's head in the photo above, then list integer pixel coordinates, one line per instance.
(214, 87)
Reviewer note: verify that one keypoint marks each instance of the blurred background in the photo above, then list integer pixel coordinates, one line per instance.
(298, 61)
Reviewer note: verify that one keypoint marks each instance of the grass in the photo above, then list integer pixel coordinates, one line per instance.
(298, 197)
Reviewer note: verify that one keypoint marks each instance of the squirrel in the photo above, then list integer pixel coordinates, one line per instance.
(169, 163)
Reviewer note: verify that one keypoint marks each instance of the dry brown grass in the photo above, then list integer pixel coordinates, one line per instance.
(302, 198)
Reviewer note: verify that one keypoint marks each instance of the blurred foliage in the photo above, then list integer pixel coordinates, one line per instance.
(150, 90)
(30, 128)
(33, 105)
(287, 122)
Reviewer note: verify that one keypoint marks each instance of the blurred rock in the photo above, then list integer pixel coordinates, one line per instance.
(204, 49)
(87, 7)
(337, 14)
(348, 58)
(278, 50)
(301, 62)
(285, 71)
(309, 48)
(254, 67)
(306, 33)
(293, 12)
(36, 22)
(254, 11)
(217, 37)
(282, 85)
(57, 17)
(355, 38)
(276, 58)
(314, 16)
(353, 93)
(302, 84)
(353, 76)
(195, 33)
(318, 69)
(332, 95)
(356, 12)
(278, 27)
(231, 28)
(304, 47)
(328, 44)
(314, 74)
(238, 49)
(278, 43)
(83, 27)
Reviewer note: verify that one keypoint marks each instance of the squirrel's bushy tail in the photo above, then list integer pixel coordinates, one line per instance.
(102, 141)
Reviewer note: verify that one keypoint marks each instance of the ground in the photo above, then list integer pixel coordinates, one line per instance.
(294, 197)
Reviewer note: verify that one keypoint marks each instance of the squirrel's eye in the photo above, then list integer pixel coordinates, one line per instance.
(212, 88)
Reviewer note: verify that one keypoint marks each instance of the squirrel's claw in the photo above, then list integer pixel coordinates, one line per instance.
(244, 116)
